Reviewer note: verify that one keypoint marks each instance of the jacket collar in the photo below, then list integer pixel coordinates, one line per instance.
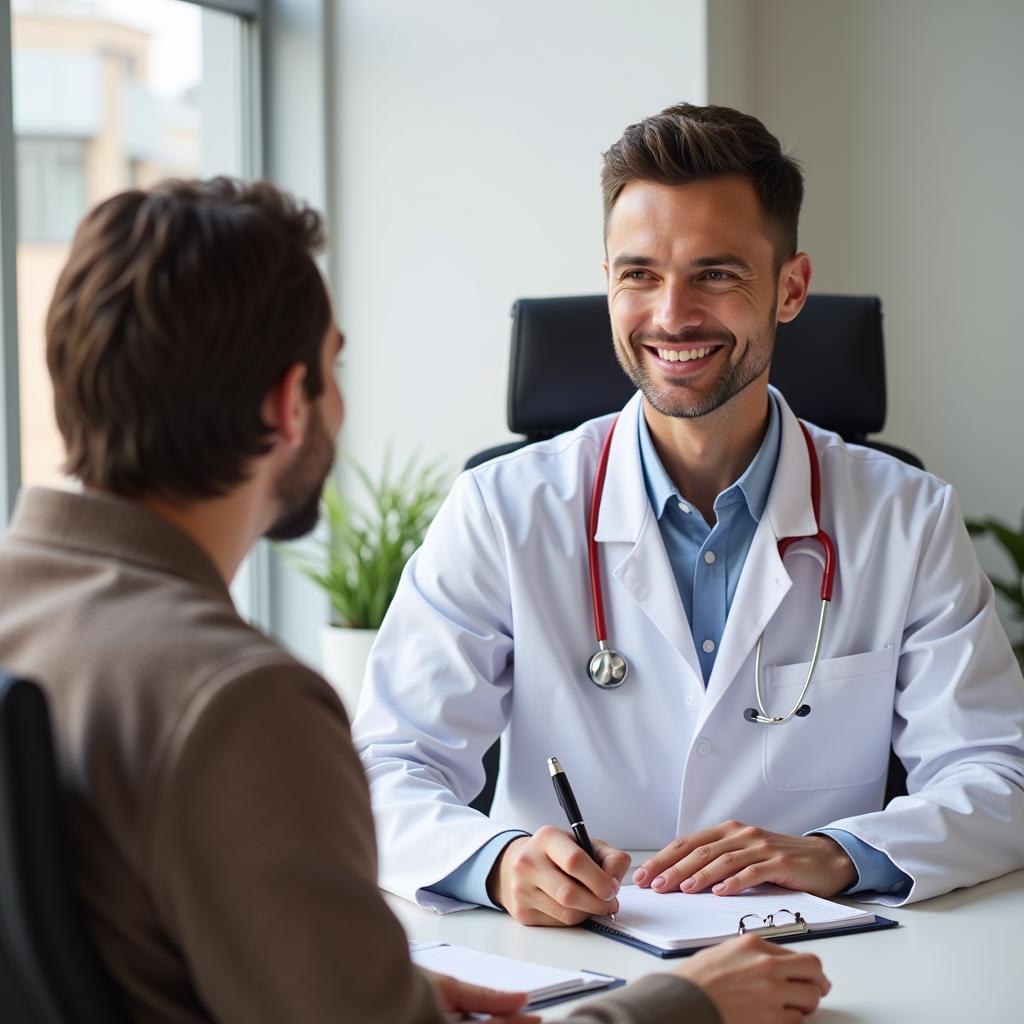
(625, 504)
(106, 526)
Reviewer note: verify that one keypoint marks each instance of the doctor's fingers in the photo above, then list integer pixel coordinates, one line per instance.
(567, 894)
(680, 848)
(713, 863)
(536, 908)
(565, 857)
(615, 862)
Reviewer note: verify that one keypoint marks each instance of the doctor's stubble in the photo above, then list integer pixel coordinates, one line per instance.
(755, 360)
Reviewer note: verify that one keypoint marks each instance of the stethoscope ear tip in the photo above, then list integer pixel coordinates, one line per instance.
(751, 714)
(803, 711)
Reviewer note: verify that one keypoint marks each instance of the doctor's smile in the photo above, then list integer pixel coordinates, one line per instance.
(681, 359)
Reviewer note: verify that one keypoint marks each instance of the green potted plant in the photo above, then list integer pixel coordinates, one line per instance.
(358, 562)
(1012, 589)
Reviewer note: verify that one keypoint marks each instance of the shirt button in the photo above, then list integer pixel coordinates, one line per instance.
(690, 699)
(703, 748)
(683, 507)
(708, 645)
(709, 557)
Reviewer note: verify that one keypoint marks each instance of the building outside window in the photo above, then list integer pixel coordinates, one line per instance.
(106, 96)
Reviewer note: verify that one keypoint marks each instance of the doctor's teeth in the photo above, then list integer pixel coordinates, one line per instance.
(675, 356)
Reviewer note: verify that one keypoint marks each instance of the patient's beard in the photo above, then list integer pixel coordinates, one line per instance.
(299, 488)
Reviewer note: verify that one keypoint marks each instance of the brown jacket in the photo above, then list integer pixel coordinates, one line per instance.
(220, 819)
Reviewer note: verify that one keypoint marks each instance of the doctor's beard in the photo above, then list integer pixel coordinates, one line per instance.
(671, 399)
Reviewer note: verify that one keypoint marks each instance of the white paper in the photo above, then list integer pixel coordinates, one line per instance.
(677, 920)
(502, 972)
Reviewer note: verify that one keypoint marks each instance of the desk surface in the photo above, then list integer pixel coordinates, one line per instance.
(956, 958)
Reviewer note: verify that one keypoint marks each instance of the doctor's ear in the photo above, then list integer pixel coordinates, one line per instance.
(794, 283)
(286, 407)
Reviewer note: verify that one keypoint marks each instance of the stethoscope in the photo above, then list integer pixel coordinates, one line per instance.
(608, 669)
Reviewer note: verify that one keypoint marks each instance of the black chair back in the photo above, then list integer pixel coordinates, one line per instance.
(50, 972)
(829, 363)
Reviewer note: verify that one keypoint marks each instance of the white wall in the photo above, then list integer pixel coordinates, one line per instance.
(906, 115)
(468, 151)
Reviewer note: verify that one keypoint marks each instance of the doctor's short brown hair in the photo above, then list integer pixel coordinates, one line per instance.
(687, 143)
(178, 311)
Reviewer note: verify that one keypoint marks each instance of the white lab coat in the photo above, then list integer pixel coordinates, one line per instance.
(492, 628)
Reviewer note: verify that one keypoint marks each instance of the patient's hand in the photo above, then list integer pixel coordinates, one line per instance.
(752, 981)
(454, 996)
(546, 879)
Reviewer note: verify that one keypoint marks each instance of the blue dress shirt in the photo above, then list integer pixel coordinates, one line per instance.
(707, 562)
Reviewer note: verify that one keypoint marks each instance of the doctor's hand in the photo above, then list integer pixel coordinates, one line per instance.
(546, 879)
(454, 996)
(752, 981)
(732, 857)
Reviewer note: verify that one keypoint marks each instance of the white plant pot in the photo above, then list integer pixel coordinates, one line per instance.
(343, 654)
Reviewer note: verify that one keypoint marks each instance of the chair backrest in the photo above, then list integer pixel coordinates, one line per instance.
(50, 972)
(829, 363)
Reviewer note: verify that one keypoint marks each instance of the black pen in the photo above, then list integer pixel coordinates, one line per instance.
(572, 810)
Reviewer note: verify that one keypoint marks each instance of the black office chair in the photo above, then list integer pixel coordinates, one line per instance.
(829, 364)
(50, 972)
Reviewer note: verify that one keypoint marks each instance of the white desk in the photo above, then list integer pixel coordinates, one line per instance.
(958, 958)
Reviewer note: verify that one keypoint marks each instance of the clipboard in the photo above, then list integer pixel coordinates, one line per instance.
(778, 933)
(678, 924)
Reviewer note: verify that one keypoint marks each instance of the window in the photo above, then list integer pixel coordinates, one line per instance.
(100, 95)
(51, 193)
(107, 95)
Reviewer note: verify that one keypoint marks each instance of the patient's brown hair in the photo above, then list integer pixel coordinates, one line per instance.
(687, 143)
(179, 309)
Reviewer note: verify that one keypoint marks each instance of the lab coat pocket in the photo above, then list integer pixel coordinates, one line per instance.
(845, 739)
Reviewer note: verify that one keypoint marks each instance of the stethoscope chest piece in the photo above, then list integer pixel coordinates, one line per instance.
(607, 668)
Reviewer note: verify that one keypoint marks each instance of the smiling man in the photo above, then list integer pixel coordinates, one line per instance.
(706, 473)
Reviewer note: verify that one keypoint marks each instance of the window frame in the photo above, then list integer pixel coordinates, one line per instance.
(10, 415)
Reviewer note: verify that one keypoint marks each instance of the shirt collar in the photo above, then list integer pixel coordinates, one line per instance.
(752, 487)
(106, 526)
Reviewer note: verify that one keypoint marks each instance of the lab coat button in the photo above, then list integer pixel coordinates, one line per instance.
(708, 645)
(690, 699)
(703, 748)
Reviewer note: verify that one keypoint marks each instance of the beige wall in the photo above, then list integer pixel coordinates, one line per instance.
(468, 154)
(906, 115)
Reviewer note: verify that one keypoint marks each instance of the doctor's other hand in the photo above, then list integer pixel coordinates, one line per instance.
(454, 996)
(752, 981)
(546, 879)
(732, 857)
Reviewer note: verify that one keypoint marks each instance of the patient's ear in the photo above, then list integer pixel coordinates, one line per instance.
(286, 407)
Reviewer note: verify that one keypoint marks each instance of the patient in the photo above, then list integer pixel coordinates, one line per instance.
(220, 820)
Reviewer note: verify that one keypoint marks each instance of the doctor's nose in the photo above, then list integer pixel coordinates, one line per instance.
(677, 309)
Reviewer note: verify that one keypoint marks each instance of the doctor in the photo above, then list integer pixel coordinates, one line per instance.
(695, 753)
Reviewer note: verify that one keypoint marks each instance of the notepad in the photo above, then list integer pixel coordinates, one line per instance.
(544, 985)
(676, 923)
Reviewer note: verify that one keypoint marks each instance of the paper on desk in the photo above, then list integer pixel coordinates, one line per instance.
(677, 920)
(538, 980)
